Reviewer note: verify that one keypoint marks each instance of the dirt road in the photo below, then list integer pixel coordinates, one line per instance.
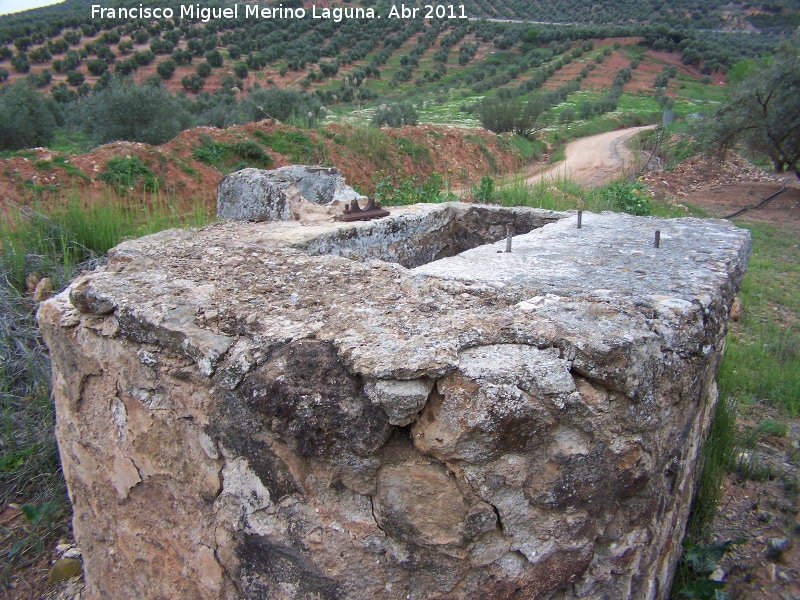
(593, 160)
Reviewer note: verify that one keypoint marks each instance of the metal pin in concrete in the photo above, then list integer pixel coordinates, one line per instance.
(580, 218)
(657, 240)
(508, 238)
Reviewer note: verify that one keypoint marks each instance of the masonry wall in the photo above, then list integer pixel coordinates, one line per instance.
(239, 418)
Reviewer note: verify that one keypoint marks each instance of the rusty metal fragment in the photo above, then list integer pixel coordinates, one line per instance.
(353, 212)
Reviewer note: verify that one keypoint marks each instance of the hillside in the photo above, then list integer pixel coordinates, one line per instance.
(187, 169)
(357, 61)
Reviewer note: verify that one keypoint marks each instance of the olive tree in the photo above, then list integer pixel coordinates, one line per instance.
(763, 111)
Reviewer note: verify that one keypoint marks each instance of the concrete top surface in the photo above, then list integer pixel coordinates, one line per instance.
(600, 289)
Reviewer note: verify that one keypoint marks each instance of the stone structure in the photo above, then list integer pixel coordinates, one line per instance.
(244, 414)
(282, 194)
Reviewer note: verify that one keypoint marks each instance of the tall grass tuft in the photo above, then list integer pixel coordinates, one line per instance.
(71, 236)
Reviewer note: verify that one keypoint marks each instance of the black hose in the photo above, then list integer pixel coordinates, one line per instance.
(759, 205)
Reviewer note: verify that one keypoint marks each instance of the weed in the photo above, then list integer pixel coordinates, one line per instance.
(412, 191)
(629, 196)
(714, 460)
(697, 564)
(365, 140)
(72, 170)
(296, 144)
(418, 152)
(484, 192)
(124, 173)
(478, 141)
(229, 157)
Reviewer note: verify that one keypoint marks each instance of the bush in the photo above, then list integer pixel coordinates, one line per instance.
(27, 118)
(125, 172)
(214, 58)
(280, 104)
(165, 68)
(567, 115)
(3, 74)
(395, 115)
(204, 69)
(629, 196)
(75, 78)
(192, 83)
(145, 57)
(241, 70)
(505, 115)
(21, 63)
(137, 113)
(96, 66)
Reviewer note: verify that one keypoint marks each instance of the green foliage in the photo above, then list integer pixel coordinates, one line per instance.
(296, 144)
(485, 192)
(763, 113)
(204, 69)
(395, 114)
(510, 115)
(629, 196)
(280, 104)
(762, 356)
(241, 70)
(27, 118)
(214, 58)
(75, 78)
(716, 458)
(231, 156)
(697, 564)
(411, 190)
(166, 68)
(136, 113)
(418, 152)
(126, 172)
(192, 83)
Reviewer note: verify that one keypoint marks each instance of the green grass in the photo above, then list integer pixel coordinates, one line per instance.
(761, 364)
(52, 245)
(563, 193)
(233, 156)
(296, 144)
(358, 139)
(762, 360)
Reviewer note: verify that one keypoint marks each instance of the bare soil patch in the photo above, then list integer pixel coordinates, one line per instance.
(723, 187)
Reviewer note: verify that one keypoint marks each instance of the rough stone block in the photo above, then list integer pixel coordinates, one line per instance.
(392, 409)
(279, 194)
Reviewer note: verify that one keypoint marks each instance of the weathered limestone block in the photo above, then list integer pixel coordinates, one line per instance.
(281, 194)
(392, 409)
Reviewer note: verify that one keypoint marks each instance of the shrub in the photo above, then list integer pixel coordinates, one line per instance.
(137, 113)
(75, 78)
(567, 115)
(504, 115)
(125, 172)
(395, 115)
(27, 118)
(3, 74)
(241, 70)
(204, 69)
(165, 68)
(96, 66)
(214, 58)
(281, 104)
(21, 63)
(629, 196)
(145, 57)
